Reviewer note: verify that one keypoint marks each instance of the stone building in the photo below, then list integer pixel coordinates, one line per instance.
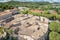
(5, 14)
(29, 27)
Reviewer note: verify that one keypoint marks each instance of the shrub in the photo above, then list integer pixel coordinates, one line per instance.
(54, 36)
(55, 26)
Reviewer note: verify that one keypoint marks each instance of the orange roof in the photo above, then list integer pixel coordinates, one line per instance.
(37, 11)
(5, 12)
(53, 12)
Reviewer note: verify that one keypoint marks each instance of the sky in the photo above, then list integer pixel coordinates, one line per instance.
(42, 0)
(36, 0)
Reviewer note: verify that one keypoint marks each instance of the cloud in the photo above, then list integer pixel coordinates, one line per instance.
(38, 0)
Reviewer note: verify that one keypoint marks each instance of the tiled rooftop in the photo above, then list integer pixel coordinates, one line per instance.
(5, 12)
(30, 26)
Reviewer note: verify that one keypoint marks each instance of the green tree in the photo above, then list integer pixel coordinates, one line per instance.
(55, 26)
(2, 32)
(54, 36)
(4, 35)
(10, 34)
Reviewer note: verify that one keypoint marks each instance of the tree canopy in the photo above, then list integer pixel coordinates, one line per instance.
(54, 36)
(55, 26)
